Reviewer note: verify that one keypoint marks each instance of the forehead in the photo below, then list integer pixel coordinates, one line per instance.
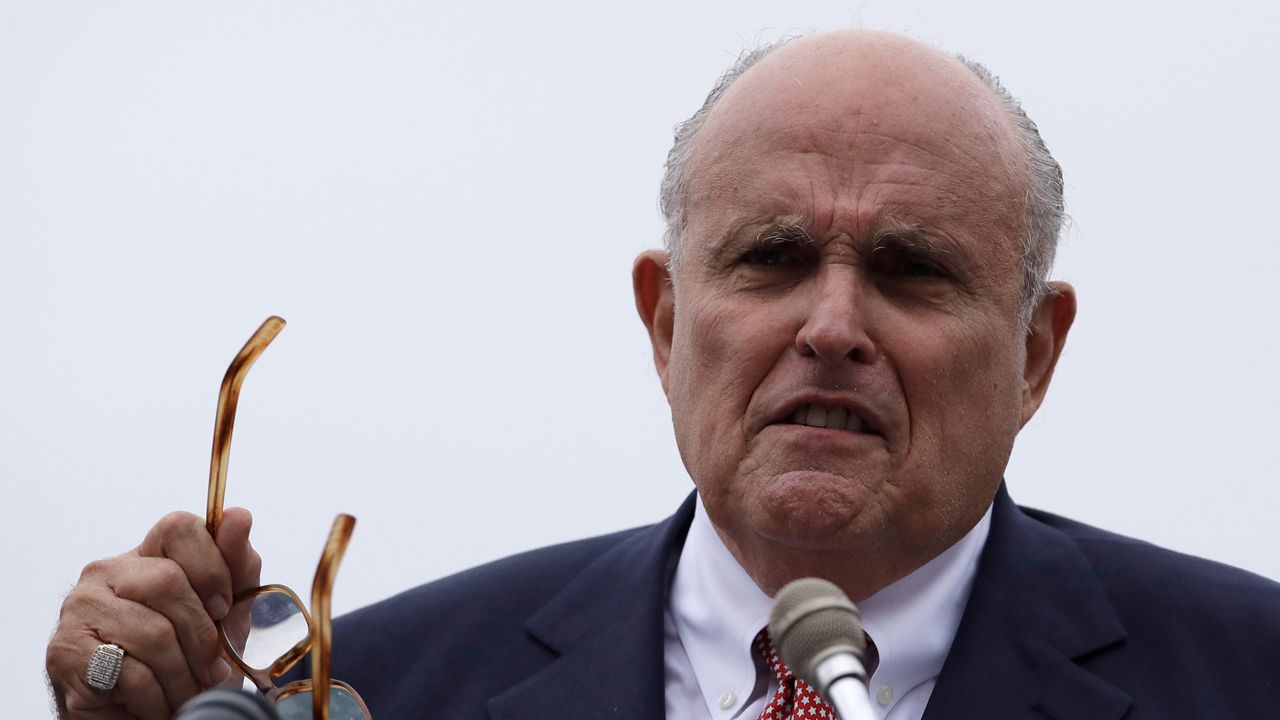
(849, 128)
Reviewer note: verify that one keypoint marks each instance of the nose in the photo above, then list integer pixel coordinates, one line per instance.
(835, 326)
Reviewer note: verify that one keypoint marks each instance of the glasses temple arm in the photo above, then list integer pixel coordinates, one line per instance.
(225, 420)
(321, 591)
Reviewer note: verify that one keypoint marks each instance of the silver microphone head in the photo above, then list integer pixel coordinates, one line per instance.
(812, 619)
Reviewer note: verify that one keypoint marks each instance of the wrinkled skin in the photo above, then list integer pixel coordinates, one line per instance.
(852, 239)
(159, 602)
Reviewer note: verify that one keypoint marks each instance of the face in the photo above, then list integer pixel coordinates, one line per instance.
(843, 358)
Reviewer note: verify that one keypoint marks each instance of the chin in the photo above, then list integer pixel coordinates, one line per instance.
(814, 509)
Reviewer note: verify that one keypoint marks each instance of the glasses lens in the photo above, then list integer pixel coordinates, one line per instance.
(342, 706)
(264, 627)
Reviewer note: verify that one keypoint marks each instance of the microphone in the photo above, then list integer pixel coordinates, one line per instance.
(227, 704)
(818, 634)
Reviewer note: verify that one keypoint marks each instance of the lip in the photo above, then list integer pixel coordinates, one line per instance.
(874, 423)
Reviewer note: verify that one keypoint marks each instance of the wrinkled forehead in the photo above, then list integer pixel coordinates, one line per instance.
(862, 100)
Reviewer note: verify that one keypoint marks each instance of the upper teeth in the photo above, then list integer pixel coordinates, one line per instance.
(825, 416)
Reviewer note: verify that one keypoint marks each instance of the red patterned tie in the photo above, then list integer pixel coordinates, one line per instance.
(795, 699)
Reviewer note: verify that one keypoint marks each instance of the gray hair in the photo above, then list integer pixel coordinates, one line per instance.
(1044, 205)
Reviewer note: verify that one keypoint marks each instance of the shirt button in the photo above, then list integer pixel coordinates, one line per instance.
(884, 695)
(727, 699)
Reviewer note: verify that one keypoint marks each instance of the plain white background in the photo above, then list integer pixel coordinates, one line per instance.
(444, 201)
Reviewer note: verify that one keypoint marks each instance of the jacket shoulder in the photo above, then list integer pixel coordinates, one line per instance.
(1138, 570)
(393, 651)
(1211, 625)
(522, 581)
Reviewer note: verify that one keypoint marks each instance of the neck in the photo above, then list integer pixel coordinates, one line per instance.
(860, 570)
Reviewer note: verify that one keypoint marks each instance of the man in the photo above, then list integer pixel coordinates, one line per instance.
(851, 323)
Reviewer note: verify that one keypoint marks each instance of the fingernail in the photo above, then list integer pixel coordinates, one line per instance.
(218, 607)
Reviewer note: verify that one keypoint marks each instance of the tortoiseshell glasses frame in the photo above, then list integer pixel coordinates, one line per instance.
(290, 699)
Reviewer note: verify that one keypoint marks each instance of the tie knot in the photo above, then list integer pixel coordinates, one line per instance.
(764, 647)
(794, 698)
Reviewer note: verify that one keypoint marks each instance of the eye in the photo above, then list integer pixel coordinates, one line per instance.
(901, 263)
(773, 254)
(781, 247)
(919, 269)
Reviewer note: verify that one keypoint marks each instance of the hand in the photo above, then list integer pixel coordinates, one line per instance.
(159, 602)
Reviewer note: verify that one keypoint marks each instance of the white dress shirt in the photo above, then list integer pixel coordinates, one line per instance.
(716, 610)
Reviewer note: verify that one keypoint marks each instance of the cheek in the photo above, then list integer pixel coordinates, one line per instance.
(722, 349)
(963, 390)
(720, 353)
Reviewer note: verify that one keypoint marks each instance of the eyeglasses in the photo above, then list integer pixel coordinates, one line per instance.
(262, 623)
(268, 630)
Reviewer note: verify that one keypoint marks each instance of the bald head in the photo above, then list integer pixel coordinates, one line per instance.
(859, 83)
(861, 78)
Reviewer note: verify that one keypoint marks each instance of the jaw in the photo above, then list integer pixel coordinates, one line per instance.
(784, 538)
(862, 525)
(804, 489)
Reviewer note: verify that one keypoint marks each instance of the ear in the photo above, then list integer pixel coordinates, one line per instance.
(1050, 322)
(655, 301)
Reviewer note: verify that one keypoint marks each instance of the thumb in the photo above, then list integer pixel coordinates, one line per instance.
(233, 541)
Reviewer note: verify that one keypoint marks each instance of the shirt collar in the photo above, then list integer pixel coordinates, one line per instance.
(718, 610)
(914, 620)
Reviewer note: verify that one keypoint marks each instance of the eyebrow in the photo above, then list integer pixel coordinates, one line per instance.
(898, 235)
(893, 233)
(769, 231)
(784, 230)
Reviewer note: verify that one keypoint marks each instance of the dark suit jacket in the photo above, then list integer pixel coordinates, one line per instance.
(1065, 621)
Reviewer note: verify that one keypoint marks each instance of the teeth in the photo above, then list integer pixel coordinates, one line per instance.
(822, 416)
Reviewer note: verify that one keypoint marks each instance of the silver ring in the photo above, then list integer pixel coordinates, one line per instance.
(104, 667)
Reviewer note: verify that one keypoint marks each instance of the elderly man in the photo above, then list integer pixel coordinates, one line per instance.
(851, 323)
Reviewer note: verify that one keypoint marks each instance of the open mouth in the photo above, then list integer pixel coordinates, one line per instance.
(828, 416)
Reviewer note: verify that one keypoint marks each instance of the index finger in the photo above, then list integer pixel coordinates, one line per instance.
(182, 537)
(242, 560)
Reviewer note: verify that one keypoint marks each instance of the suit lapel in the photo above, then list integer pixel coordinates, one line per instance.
(607, 628)
(1035, 609)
